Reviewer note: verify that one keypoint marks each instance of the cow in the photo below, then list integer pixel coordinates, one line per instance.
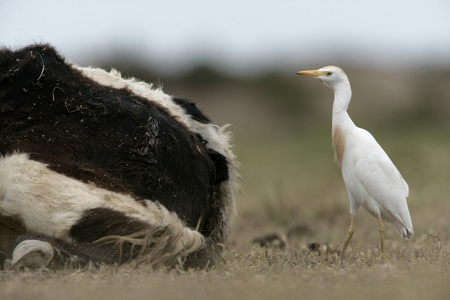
(100, 169)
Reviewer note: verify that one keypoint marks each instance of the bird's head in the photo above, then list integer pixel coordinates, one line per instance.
(331, 76)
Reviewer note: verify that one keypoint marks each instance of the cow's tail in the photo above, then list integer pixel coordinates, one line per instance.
(170, 243)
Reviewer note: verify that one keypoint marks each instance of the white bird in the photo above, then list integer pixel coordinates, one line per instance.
(371, 179)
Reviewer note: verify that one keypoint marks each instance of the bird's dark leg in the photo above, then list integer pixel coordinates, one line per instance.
(351, 230)
(381, 234)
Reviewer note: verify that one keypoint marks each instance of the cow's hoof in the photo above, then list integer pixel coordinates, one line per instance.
(31, 254)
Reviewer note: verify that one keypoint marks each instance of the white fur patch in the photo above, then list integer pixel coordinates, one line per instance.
(51, 203)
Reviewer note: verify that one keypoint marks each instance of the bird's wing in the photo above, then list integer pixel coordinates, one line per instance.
(375, 169)
(382, 181)
(380, 176)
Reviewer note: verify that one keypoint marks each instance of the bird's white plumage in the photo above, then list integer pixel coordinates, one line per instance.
(371, 179)
(374, 183)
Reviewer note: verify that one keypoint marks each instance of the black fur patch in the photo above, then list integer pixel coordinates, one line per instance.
(100, 222)
(191, 110)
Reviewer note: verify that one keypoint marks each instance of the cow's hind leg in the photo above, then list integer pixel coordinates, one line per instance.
(100, 236)
(107, 236)
(34, 251)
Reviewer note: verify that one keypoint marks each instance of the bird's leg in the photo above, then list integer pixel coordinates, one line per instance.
(351, 230)
(381, 234)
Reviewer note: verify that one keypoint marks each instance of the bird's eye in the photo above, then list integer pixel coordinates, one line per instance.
(329, 73)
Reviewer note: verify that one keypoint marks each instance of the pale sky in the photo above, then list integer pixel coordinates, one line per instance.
(236, 35)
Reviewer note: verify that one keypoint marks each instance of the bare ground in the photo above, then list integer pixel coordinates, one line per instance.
(293, 194)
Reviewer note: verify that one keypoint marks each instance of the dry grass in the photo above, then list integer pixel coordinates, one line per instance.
(254, 274)
(294, 189)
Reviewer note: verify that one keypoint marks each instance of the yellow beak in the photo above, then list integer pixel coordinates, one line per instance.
(312, 73)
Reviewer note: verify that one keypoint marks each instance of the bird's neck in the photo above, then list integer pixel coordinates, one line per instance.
(342, 97)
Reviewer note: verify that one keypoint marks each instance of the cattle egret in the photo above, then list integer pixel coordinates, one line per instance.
(371, 179)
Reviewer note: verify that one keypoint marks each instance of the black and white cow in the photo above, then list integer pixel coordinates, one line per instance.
(95, 168)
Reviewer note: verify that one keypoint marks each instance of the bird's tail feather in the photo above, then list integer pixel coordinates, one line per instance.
(405, 231)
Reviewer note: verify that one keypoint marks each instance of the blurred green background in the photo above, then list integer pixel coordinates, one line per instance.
(237, 61)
